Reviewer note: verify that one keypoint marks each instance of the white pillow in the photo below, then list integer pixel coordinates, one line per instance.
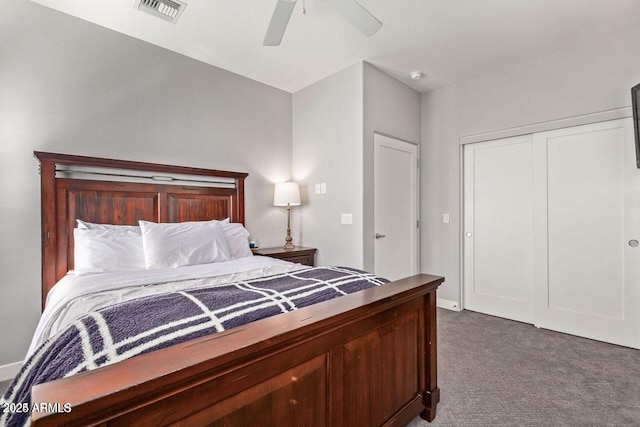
(171, 245)
(107, 251)
(91, 226)
(238, 239)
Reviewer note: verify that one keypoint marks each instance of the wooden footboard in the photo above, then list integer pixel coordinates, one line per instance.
(367, 359)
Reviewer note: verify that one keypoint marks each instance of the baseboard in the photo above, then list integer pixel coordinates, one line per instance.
(9, 371)
(448, 304)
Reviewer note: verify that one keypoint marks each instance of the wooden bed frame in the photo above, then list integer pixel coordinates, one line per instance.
(367, 358)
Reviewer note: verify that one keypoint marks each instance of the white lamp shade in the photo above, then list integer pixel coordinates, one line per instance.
(286, 193)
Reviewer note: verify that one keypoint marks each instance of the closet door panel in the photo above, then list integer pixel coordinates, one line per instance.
(498, 228)
(587, 195)
(585, 221)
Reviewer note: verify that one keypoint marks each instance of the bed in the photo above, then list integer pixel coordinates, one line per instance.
(365, 358)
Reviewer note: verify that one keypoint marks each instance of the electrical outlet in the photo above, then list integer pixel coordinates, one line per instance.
(346, 219)
(317, 188)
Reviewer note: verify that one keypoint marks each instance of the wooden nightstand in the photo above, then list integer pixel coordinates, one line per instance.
(299, 254)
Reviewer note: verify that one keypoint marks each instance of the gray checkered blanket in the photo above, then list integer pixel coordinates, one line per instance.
(150, 323)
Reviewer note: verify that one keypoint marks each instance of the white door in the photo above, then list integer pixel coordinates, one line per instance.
(587, 202)
(395, 207)
(498, 199)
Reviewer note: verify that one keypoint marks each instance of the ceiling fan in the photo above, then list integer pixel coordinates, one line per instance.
(351, 10)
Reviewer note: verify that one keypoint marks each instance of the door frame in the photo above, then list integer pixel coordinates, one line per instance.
(416, 197)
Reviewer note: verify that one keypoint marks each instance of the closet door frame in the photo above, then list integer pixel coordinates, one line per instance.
(600, 116)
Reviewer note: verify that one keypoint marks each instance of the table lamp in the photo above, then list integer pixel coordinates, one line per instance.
(287, 194)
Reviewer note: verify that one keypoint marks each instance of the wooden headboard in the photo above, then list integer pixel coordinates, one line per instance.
(122, 192)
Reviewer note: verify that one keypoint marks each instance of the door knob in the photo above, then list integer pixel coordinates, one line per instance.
(380, 236)
(469, 234)
(633, 243)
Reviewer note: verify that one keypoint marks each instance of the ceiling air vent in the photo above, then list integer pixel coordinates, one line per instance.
(169, 10)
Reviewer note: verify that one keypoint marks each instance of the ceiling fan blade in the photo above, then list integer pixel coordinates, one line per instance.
(357, 15)
(279, 20)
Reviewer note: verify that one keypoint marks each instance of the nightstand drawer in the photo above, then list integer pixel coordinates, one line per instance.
(299, 255)
(305, 260)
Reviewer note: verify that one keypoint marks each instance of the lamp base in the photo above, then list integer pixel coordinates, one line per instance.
(288, 240)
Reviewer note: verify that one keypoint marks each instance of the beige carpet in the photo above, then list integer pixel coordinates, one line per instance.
(496, 372)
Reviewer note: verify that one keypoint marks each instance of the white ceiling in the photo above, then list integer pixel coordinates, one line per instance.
(448, 40)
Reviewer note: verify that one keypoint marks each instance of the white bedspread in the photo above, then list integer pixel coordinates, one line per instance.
(74, 296)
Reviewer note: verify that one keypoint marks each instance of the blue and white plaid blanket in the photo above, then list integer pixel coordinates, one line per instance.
(142, 325)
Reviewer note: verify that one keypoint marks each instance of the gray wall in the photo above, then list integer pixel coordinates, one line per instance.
(327, 147)
(72, 87)
(391, 108)
(591, 77)
(333, 125)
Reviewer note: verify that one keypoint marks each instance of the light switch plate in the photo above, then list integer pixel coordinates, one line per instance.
(323, 187)
(445, 218)
(346, 219)
(317, 188)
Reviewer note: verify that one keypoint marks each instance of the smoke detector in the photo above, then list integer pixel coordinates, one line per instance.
(415, 75)
(169, 10)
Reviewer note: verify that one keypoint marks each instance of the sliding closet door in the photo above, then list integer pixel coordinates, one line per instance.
(498, 228)
(587, 211)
